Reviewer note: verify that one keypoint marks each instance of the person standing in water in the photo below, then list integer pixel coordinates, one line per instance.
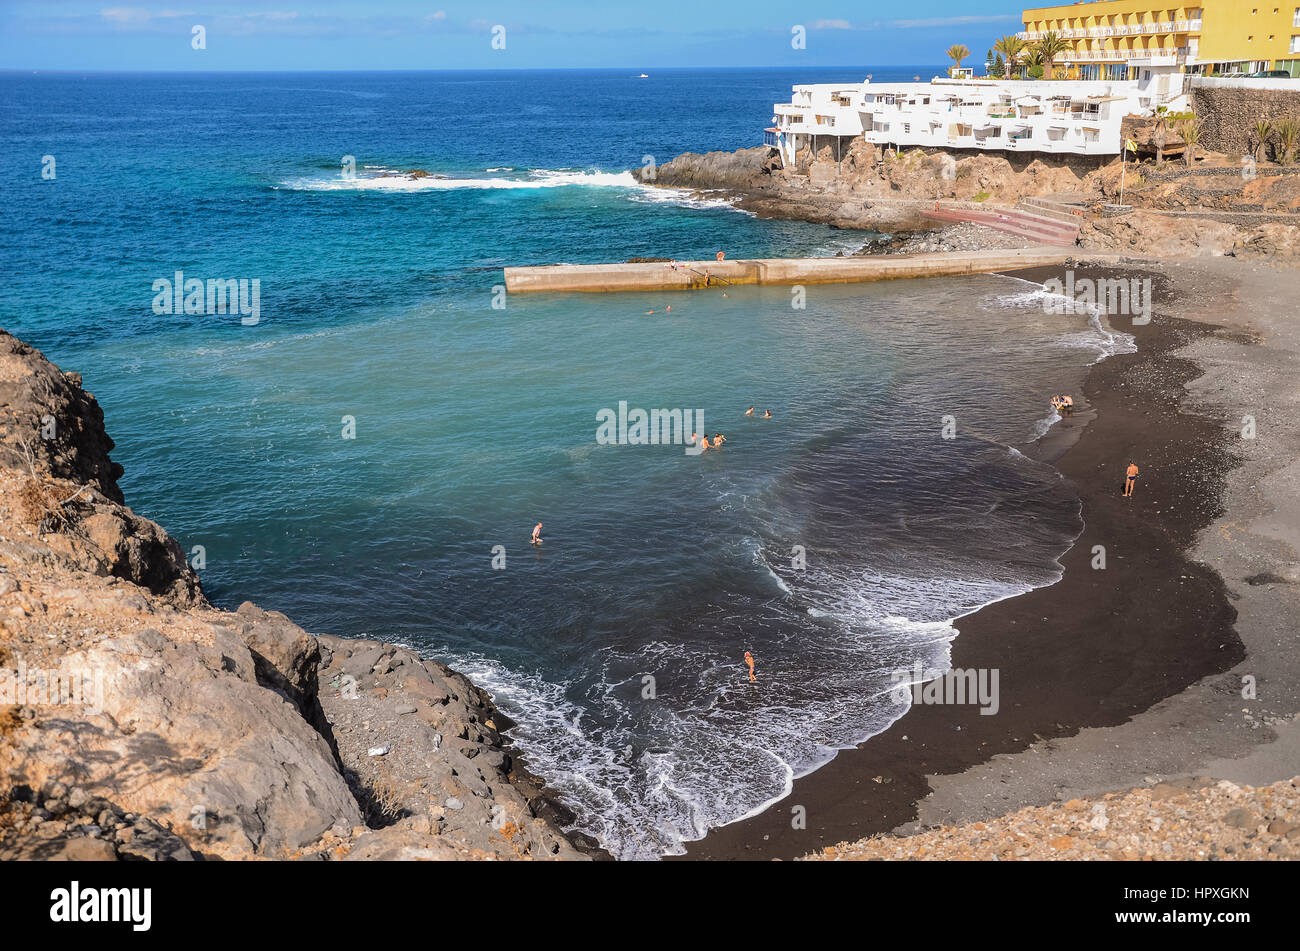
(767, 414)
(537, 534)
(750, 411)
(1130, 476)
(749, 662)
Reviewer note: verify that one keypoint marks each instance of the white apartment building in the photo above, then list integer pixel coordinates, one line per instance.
(1072, 117)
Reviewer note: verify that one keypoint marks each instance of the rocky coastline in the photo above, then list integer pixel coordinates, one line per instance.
(137, 721)
(1210, 207)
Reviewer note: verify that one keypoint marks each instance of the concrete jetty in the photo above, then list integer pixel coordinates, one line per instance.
(692, 275)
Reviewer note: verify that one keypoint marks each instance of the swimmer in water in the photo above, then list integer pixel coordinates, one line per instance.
(537, 534)
(718, 440)
(701, 441)
(750, 411)
(767, 414)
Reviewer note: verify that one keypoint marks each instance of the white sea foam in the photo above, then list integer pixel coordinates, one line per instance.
(396, 180)
(645, 780)
(380, 178)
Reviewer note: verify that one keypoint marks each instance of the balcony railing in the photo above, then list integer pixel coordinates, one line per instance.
(1119, 29)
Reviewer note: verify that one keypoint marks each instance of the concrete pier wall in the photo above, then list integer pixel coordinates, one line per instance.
(691, 275)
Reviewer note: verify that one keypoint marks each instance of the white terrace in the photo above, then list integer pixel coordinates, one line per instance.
(1074, 117)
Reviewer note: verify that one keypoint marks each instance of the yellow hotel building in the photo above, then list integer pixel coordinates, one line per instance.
(1139, 39)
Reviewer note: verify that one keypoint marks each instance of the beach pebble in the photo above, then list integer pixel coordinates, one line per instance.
(379, 750)
(453, 803)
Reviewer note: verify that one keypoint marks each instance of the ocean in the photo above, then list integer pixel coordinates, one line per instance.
(371, 453)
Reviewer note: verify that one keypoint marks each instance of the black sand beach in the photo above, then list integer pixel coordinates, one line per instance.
(1092, 650)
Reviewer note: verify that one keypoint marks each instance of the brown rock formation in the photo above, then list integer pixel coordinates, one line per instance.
(137, 721)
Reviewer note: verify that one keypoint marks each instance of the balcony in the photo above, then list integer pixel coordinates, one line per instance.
(1120, 29)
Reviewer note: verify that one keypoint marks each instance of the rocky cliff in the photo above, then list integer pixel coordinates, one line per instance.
(1218, 205)
(138, 721)
(857, 185)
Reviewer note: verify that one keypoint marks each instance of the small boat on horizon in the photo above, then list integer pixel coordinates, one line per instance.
(644, 76)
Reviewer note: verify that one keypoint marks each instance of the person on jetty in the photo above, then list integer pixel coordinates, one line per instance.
(749, 662)
(750, 411)
(537, 534)
(1130, 477)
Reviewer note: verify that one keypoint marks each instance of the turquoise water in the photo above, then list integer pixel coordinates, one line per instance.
(472, 423)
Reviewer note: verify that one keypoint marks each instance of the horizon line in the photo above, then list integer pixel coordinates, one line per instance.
(431, 69)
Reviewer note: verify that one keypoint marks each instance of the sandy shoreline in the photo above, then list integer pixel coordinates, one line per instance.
(1119, 677)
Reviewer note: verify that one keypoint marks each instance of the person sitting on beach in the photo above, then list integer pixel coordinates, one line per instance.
(1129, 478)
(767, 414)
(749, 662)
(1067, 403)
(718, 440)
(750, 411)
(537, 534)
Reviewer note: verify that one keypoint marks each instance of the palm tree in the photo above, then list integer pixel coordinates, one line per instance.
(957, 53)
(1034, 63)
(1190, 131)
(1263, 130)
(1051, 46)
(1010, 46)
(1288, 131)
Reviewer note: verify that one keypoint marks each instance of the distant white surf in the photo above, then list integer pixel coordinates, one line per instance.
(382, 178)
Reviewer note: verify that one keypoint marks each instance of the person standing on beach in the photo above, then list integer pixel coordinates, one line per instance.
(749, 662)
(1130, 477)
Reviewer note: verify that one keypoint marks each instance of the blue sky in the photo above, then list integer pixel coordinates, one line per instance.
(387, 34)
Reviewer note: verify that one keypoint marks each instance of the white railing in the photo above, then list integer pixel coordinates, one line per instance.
(1120, 29)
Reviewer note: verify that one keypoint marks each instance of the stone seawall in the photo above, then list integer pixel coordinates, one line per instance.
(1228, 115)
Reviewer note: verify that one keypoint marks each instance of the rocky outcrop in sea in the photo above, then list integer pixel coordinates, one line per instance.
(137, 721)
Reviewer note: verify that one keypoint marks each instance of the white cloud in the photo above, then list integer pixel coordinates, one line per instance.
(126, 16)
(954, 21)
(832, 25)
(440, 15)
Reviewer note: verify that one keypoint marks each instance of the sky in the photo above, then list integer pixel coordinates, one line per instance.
(529, 34)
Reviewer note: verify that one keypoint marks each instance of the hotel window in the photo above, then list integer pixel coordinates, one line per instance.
(1296, 21)
(1295, 45)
